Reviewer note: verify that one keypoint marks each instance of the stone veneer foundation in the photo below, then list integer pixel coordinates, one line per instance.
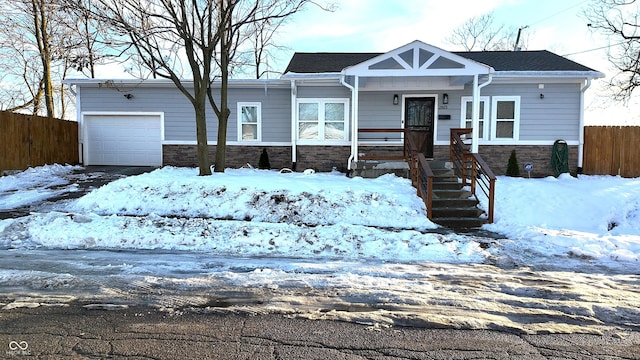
(326, 158)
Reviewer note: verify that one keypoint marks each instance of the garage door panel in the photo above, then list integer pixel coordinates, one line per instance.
(123, 140)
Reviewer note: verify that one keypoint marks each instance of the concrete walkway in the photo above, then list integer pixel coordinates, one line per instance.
(79, 332)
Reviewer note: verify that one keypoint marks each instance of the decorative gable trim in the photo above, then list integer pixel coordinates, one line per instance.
(418, 59)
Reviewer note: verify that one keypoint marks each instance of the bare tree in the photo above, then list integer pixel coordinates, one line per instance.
(193, 43)
(481, 33)
(261, 38)
(33, 55)
(619, 21)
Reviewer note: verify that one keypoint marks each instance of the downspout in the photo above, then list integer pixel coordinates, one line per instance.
(581, 130)
(475, 135)
(354, 118)
(294, 131)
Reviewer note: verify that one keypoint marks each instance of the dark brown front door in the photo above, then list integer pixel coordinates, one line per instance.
(419, 114)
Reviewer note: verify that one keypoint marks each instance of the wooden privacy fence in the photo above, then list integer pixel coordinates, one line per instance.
(29, 140)
(612, 150)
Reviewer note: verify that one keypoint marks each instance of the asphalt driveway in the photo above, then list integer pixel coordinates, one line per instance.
(85, 180)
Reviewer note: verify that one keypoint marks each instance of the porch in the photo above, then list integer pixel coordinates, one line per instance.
(450, 187)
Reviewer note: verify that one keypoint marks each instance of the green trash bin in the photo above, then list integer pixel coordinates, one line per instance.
(560, 158)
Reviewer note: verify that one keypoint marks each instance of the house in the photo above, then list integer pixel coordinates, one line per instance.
(320, 112)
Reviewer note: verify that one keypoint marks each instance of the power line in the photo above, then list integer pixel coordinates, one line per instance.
(594, 49)
(558, 13)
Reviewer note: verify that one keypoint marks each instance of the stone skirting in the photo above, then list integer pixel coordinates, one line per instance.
(326, 158)
(319, 158)
(497, 157)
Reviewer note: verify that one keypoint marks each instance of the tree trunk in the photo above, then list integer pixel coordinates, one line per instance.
(202, 148)
(42, 37)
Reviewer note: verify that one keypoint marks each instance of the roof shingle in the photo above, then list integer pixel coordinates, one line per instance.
(542, 60)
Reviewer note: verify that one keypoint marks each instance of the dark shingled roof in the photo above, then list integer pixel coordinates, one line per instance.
(314, 63)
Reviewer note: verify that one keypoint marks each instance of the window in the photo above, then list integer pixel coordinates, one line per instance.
(505, 117)
(467, 113)
(322, 120)
(249, 122)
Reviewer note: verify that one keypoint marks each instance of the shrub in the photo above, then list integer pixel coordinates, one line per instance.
(264, 160)
(512, 168)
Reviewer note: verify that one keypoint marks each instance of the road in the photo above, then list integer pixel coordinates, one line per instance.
(78, 332)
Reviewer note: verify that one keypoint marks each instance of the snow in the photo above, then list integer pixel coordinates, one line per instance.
(33, 185)
(563, 255)
(550, 223)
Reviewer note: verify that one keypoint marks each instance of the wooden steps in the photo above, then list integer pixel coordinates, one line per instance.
(453, 206)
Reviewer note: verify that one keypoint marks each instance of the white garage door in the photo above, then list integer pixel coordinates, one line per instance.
(133, 140)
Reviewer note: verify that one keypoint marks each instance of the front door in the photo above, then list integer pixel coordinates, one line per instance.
(419, 113)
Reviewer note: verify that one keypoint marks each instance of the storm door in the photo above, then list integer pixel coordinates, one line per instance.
(419, 119)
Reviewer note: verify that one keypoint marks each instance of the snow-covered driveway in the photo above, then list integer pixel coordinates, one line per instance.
(325, 246)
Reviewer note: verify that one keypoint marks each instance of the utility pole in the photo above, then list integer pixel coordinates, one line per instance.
(516, 47)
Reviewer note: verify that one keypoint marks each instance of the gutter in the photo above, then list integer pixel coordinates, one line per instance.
(586, 86)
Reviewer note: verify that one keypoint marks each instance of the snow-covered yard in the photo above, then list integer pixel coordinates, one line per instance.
(563, 222)
(326, 246)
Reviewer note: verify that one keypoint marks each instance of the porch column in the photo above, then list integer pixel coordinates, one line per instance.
(294, 131)
(353, 157)
(354, 116)
(475, 116)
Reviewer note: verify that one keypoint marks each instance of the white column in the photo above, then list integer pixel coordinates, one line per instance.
(475, 116)
(354, 116)
(294, 132)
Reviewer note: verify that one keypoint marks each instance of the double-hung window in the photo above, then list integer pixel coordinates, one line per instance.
(249, 121)
(467, 115)
(505, 117)
(322, 119)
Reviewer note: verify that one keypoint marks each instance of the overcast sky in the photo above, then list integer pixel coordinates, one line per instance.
(383, 25)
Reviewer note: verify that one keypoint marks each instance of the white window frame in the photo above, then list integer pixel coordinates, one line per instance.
(257, 105)
(484, 115)
(494, 118)
(321, 102)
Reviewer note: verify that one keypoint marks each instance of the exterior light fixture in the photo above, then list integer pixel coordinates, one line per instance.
(128, 96)
(445, 98)
(541, 96)
(395, 99)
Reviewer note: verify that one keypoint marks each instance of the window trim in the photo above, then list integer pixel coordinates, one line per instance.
(463, 114)
(494, 118)
(322, 121)
(256, 104)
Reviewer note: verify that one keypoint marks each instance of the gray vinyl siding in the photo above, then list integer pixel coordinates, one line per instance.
(377, 110)
(179, 116)
(324, 92)
(557, 116)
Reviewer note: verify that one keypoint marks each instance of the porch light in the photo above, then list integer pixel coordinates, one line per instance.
(445, 98)
(395, 99)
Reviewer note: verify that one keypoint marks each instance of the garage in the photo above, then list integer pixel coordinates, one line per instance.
(123, 139)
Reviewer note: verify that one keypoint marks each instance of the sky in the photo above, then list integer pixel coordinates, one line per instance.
(383, 25)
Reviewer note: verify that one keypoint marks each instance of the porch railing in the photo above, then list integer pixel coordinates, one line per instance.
(382, 135)
(421, 174)
(472, 168)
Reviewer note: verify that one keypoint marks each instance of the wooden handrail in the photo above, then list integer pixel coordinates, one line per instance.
(381, 130)
(481, 175)
(421, 174)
